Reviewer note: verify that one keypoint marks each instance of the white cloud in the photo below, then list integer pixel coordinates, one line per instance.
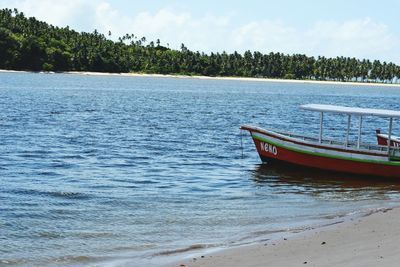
(362, 38)
(204, 34)
(266, 36)
(55, 12)
(143, 24)
(161, 21)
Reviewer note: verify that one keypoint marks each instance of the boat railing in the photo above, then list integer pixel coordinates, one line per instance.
(342, 144)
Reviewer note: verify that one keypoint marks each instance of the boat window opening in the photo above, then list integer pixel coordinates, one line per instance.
(321, 121)
(348, 130)
(390, 134)
(359, 133)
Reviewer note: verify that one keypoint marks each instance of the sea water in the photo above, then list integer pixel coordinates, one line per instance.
(125, 171)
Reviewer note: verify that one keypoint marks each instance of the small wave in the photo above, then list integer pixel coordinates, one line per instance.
(48, 173)
(26, 192)
(72, 157)
(90, 151)
(124, 165)
(165, 186)
(62, 194)
(62, 165)
(335, 216)
(131, 186)
(73, 259)
(49, 235)
(203, 189)
(90, 235)
(182, 250)
(34, 154)
(55, 112)
(141, 247)
(266, 232)
(69, 195)
(12, 262)
(332, 223)
(373, 211)
(146, 182)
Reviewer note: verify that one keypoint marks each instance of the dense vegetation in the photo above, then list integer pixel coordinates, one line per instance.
(29, 44)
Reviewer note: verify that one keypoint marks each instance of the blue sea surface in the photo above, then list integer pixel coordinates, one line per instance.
(126, 171)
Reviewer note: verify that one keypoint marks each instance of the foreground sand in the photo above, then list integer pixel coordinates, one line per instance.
(368, 241)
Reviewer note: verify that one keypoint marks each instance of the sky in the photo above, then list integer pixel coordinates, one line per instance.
(354, 28)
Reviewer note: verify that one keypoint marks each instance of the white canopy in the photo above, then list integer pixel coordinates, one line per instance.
(352, 111)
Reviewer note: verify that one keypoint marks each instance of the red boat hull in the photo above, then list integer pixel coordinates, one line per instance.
(277, 148)
(324, 163)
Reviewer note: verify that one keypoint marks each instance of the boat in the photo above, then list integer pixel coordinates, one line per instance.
(384, 138)
(381, 159)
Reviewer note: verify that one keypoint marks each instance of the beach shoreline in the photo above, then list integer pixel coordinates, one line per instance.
(244, 79)
(370, 240)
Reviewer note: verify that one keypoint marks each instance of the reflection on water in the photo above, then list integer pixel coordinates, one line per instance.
(324, 184)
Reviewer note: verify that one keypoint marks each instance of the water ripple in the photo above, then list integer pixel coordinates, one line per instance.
(100, 168)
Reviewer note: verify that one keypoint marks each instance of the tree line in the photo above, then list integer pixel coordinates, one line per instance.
(29, 44)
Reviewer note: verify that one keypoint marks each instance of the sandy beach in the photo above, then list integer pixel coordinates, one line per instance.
(237, 79)
(217, 78)
(367, 241)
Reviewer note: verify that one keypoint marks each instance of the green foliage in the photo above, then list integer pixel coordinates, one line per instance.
(29, 44)
(8, 47)
(47, 67)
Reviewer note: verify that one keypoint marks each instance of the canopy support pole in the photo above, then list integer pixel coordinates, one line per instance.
(321, 120)
(390, 134)
(348, 129)
(359, 133)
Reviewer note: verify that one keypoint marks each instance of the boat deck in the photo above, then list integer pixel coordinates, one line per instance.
(327, 141)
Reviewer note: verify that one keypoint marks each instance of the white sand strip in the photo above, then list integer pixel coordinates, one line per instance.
(222, 78)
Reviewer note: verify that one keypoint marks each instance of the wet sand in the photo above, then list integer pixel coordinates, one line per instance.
(367, 241)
